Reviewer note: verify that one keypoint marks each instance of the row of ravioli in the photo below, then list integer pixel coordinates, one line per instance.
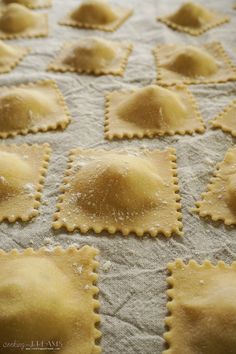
(40, 106)
(17, 21)
(178, 63)
(121, 190)
(200, 300)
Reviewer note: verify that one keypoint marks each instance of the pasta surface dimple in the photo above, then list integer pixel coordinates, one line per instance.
(190, 64)
(193, 19)
(218, 202)
(151, 110)
(18, 21)
(32, 107)
(93, 56)
(118, 191)
(42, 296)
(96, 14)
(201, 304)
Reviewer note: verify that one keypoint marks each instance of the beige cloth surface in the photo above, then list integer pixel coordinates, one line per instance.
(132, 291)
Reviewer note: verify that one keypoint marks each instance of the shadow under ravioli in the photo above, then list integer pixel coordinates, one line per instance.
(93, 56)
(193, 19)
(17, 21)
(202, 308)
(150, 111)
(96, 14)
(120, 191)
(193, 64)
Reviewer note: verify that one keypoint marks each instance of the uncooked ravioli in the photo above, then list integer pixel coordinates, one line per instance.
(152, 107)
(15, 173)
(192, 61)
(117, 184)
(20, 107)
(95, 12)
(191, 15)
(16, 18)
(91, 54)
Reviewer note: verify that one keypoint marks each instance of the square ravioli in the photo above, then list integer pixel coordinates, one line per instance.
(219, 202)
(120, 190)
(96, 14)
(10, 56)
(22, 172)
(202, 317)
(17, 21)
(190, 64)
(93, 55)
(48, 301)
(31, 4)
(194, 19)
(33, 107)
(226, 120)
(151, 111)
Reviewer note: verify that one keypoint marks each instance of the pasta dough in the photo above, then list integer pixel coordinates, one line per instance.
(190, 64)
(193, 19)
(93, 56)
(202, 303)
(22, 171)
(96, 14)
(15, 174)
(46, 303)
(219, 200)
(18, 21)
(120, 191)
(149, 111)
(32, 4)
(226, 119)
(31, 108)
(10, 56)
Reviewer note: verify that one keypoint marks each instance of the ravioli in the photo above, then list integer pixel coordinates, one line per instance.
(10, 56)
(218, 202)
(226, 119)
(93, 56)
(96, 14)
(46, 302)
(17, 21)
(201, 308)
(32, 4)
(126, 191)
(150, 111)
(189, 64)
(22, 171)
(193, 19)
(32, 107)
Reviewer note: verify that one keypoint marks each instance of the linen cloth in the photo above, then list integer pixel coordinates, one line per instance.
(132, 290)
